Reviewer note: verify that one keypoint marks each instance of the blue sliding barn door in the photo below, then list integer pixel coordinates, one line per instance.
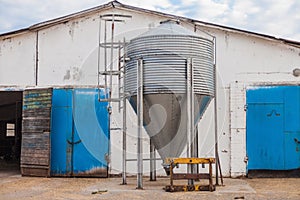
(80, 133)
(91, 139)
(273, 128)
(61, 132)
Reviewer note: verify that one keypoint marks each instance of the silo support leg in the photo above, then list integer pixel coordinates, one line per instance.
(140, 124)
(152, 162)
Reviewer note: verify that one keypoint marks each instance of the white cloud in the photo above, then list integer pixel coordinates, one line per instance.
(282, 19)
(273, 17)
(242, 12)
(152, 5)
(23, 13)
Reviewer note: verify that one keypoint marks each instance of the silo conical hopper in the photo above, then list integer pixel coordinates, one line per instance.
(166, 51)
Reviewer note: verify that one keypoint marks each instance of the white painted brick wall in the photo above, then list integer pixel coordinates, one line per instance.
(237, 129)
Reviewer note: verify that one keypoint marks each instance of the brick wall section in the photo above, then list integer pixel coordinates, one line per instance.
(237, 129)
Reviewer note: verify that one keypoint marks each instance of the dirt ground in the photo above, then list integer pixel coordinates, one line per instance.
(13, 186)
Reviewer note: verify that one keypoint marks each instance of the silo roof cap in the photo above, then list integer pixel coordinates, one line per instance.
(169, 27)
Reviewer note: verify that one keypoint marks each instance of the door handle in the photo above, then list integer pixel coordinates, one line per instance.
(77, 142)
(271, 113)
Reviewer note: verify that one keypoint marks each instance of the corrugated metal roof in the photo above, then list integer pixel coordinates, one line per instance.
(116, 4)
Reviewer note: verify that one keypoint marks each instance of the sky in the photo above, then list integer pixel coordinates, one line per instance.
(279, 18)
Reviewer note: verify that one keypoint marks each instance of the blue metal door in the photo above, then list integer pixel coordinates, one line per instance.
(272, 128)
(61, 132)
(265, 144)
(292, 127)
(80, 133)
(91, 139)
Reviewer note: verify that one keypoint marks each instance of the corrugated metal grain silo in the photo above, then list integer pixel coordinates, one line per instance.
(166, 52)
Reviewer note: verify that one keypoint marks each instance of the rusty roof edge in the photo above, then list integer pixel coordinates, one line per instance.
(117, 4)
(70, 16)
(290, 42)
(193, 21)
(59, 20)
(13, 33)
(286, 41)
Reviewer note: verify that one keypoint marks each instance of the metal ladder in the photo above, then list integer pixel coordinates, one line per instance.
(114, 69)
(109, 69)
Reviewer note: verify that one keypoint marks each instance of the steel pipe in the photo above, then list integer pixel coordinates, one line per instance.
(140, 124)
(124, 181)
(152, 161)
(190, 116)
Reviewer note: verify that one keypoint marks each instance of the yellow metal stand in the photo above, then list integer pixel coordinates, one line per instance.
(178, 176)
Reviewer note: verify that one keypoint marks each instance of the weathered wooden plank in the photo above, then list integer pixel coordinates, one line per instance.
(38, 111)
(38, 132)
(36, 166)
(36, 148)
(31, 151)
(45, 102)
(35, 112)
(36, 162)
(31, 124)
(34, 171)
(35, 158)
(32, 107)
(31, 128)
(37, 139)
(38, 136)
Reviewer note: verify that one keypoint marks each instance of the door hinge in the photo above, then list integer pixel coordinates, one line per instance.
(246, 159)
(107, 158)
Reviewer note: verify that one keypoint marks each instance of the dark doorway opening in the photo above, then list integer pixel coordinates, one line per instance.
(10, 130)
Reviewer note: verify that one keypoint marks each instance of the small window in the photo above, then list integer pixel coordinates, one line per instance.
(10, 130)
